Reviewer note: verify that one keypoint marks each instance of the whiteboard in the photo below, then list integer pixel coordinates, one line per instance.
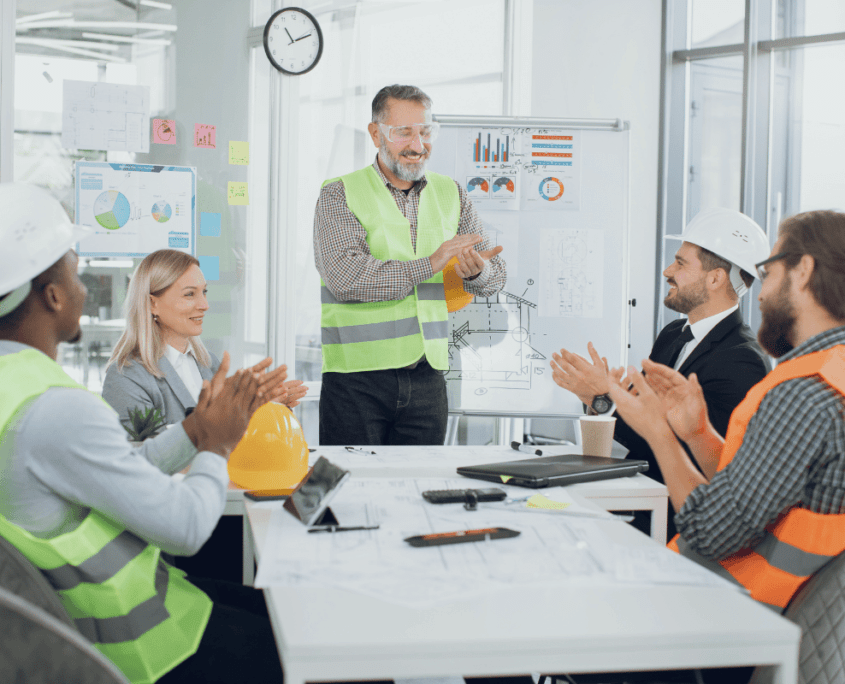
(554, 194)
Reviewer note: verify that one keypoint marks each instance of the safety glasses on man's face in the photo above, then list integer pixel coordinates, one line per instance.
(762, 271)
(427, 132)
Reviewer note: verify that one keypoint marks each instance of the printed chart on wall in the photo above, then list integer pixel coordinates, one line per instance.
(556, 200)
(135, 209)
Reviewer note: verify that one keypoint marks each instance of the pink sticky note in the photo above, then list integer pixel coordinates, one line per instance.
(205, 135)
(164, 131)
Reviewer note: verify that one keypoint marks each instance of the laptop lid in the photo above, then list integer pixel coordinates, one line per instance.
(553, 471)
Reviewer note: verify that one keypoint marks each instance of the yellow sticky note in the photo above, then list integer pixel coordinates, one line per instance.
(238, 152)
(238, 193)
(506, 478)
(540, 501)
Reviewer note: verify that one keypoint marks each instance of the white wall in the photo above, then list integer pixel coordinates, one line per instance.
(601, 59)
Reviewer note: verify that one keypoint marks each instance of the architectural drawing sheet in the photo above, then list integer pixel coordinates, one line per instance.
(105, 116)
(553, 546)
(571, 273)
(564, 233)
(135, 209)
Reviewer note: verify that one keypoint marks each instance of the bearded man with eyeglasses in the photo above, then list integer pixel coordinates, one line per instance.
(383, 236)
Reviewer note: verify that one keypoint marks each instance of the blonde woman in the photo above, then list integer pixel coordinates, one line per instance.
(160, 361)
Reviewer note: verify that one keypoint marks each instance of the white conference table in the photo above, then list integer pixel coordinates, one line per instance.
(331, 634)
(635, 493)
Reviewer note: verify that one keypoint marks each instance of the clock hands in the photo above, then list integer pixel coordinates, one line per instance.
(302, 37)
(292, 41)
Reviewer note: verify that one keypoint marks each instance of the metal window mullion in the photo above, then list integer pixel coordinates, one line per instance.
(757, 90)
(8, 9)
(673, 154)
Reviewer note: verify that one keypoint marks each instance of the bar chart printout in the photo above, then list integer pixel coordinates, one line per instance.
(493, 148)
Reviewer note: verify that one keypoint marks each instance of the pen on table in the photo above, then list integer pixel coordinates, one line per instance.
(338, 528)
(524, 448)
(360, 451)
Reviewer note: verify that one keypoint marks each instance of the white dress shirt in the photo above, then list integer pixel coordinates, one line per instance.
(187, 368)
(700, 330)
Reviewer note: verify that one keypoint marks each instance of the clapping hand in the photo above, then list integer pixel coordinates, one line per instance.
(584, 379)
(223, 409)
(294, 391)
(682, 399)
(639, 405)
(272, 383)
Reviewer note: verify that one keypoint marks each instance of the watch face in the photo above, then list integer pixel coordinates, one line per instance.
(601, 404)
(293, 41)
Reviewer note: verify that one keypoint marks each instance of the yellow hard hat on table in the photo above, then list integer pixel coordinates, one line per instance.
(273, 453)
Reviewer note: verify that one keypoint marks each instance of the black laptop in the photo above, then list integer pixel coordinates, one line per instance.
(554, 471)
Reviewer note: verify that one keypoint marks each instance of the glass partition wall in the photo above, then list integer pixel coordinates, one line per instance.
(173, 49)
(751, 115)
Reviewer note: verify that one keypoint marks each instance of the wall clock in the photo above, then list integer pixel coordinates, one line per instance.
(293, 41)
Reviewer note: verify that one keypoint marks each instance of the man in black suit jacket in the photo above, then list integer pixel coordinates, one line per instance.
(711, 270)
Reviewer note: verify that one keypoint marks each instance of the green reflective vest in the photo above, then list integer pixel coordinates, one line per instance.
(363, 336)
(137, 611)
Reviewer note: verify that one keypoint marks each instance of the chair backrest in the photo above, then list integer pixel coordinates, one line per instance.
(22, 578)
(36, 648)
(819, 609)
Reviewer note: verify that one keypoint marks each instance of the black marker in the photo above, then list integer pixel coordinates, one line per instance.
(524, 448)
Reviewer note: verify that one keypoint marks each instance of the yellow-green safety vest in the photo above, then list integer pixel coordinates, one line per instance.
(138, 611)
(363, 336)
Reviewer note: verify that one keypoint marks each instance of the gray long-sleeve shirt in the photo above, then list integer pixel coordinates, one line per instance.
(66, 453)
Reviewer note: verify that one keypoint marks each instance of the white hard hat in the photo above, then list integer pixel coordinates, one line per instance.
(35, 232)
(732, 236)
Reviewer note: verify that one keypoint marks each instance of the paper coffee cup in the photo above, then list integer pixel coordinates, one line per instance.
(597, 434)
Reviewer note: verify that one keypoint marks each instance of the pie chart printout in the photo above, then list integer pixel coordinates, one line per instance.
(162, 212)
(111, 209)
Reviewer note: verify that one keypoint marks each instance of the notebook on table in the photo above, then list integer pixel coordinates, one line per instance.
(554, 471)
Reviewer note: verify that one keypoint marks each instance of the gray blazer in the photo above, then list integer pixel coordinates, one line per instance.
(133, 387)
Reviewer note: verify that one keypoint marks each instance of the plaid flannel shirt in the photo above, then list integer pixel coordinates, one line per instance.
(792, 454)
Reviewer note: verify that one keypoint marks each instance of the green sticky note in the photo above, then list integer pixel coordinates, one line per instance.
(238, 193)
(540, 501)
(238, 152)
(506, 478)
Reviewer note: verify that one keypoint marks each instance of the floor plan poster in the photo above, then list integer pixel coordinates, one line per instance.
(105, 116)
(552, 170)
(571, 273)
(135, 209)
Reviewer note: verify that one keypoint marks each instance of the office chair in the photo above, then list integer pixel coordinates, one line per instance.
(22, 578)
(36, 648)
(819, 610)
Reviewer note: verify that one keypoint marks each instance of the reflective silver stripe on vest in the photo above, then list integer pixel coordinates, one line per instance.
(371, 332)
(435, 330)
(431, 292)
(102, 566)
(141, 619)
(326, 297)
(711, 565)
(789, 558)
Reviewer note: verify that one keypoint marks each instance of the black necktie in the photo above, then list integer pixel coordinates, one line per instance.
(674, 349)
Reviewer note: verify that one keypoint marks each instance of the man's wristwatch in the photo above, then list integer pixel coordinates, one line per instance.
(601, 403)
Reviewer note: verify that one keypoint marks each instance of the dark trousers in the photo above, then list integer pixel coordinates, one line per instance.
(238, 643)
(396, 406)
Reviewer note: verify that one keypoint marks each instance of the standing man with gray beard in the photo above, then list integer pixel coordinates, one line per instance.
(382, 237)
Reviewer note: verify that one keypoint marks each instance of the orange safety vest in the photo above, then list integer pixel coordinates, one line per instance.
(799, 542)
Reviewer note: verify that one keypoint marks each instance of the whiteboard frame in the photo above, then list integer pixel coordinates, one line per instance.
(609, 125)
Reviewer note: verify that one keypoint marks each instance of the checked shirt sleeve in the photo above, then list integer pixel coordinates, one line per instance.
(785, 450)
(343, 256)
(493, 277)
